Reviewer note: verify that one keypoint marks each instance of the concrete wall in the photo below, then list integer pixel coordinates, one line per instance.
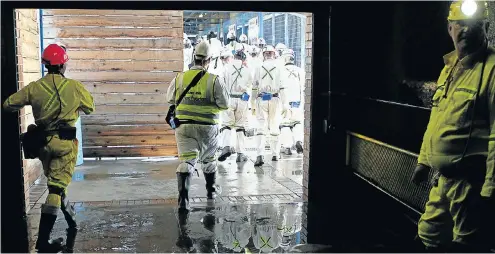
(29, 69)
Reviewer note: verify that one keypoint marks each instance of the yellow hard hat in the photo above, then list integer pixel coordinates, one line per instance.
(468, 9)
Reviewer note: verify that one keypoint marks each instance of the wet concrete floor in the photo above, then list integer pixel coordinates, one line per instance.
(129, 206)
(207, 228)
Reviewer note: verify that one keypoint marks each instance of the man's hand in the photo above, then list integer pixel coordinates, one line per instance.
(253, 111)
(420, 174)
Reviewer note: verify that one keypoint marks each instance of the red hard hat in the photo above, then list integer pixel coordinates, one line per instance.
(54, 55)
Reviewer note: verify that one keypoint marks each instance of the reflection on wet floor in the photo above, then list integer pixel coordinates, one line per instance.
(206, 228)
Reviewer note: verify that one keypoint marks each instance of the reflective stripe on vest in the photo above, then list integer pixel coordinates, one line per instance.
(199, 103)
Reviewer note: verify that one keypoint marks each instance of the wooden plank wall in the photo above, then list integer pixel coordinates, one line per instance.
(28, 70)
(126, 59)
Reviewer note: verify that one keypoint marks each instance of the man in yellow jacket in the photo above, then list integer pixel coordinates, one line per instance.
(199, 114)
(55, 101)
(459, 143)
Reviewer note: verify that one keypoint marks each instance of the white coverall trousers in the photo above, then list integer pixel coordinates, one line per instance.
(292, 127)
(235, 118)
(197, 144)
(269, 115)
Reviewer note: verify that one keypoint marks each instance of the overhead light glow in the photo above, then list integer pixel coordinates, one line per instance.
(469, 7)
(201, 15)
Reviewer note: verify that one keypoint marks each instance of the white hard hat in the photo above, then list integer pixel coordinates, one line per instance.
(280, 46)
(243, 38)
(230, 35)
(269, 48)
(185, 36)
(202, 51)
(288, 52)
(261, 41)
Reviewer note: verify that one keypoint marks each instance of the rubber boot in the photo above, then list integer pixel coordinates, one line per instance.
(71, 240)
(288, 151)
(241, 157)
(43, 244)
(226, 152)
(259, 161)
(210, 179)
(276, 158)
(183, 183)
(299, 147)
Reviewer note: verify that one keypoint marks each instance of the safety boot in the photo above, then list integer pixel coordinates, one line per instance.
(226, 152)
(276, 158)
(259, 161)
(299, 147)
(211, 187)
(288, 151)
(183, 183)
(241, 157)
(71, 240)
(44, 244)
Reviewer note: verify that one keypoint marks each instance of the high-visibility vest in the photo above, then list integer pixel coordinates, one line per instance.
(199, 103)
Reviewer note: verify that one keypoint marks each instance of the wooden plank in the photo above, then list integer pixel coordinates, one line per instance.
(126, 130)
(133, 21)
(31, 65)
(72, 12)
(100, 32)
(102, 65)
(129, 140)
(130, 151)
(123, 76)
(162, 55)
(154, 43)
(123, 119)
(96, 87)
(103, 99)
(131, 109)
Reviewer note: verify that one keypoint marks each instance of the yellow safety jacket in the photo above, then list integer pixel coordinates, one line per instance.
(42, 96)
(448, 129)
(199, 104)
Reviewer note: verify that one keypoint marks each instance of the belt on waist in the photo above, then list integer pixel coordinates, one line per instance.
(236, 96)
(273, 94)
(195, 122)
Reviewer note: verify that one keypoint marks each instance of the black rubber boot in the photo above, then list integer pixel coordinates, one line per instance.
(288, 151)
(71, 240)
(43, 244)
(183, 183)
(299, 147)
(210, 185)
(226, 152)
(276, 158)
(259, 161)
(70, 217)
(241, 157)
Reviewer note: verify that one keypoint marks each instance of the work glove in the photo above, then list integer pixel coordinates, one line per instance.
(420, 174)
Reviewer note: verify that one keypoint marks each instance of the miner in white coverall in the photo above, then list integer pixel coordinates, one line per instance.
(199, 113)
(233, 228)
(280, 47)
(238, 81)
(292, 130)
(188, 52)
(231, 42)
(269, 104)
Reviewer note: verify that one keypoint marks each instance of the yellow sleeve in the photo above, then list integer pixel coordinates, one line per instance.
(18, 100)
(489, 185)
(87, 103)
